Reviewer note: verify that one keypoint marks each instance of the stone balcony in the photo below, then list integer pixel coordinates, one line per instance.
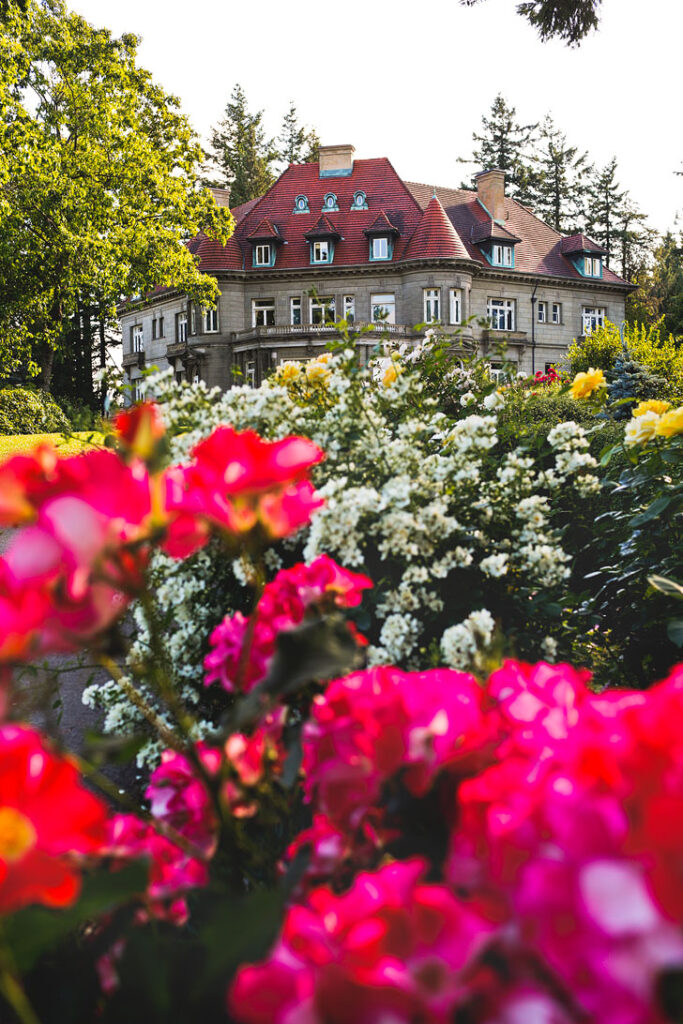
(133, 359)
(310, 332)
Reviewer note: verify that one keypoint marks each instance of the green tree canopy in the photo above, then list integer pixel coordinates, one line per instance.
(298, 145)
(559, 179)
(569, 20)
(503, 143)
(99, 185)
(241, 156)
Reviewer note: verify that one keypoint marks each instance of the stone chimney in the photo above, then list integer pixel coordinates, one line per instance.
(336, 161)
(221, 196)
(491, 192)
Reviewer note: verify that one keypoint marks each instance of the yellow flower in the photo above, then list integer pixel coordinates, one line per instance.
(584, 384)
(316, 373)
(671, 423)
(391, 375)
(288, 372)
(324, 358)
(651, 405)
(641, 429)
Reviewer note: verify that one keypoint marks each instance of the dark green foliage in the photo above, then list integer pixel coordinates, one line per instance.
(569, 20)
(503, 144)
(632, 380)
(241, 155)
(23, 411)
(298, 145)
(559, 179)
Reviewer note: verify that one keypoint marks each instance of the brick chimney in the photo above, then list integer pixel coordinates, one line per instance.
(336, 161)
(221, 196)
(491, 192)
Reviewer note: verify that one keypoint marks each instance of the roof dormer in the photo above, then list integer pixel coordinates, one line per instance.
(496, 243)
(381, 236)
(322, 238)
(584, 254)
(264, 239)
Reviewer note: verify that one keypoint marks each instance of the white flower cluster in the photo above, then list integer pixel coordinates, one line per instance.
(426, 505)
(460, 644)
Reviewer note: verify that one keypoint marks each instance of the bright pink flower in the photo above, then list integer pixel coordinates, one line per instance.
(179, 797)
(238, 482)
(49, 823)
(140, 429)
(253, 759)
(392, 948)
(283, 605)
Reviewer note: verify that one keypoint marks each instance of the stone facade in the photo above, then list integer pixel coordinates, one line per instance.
(268, 315)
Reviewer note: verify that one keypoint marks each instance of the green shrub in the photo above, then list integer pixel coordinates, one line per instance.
(634, 381)
(80, 415)
(23, 411)
(663, 355)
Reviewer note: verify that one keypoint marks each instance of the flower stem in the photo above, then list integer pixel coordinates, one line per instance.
(12, 988)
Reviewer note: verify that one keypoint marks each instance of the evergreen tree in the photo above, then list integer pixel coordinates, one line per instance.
(559, 179)
(503, 144)
(241, 154)
(570, 20)
(297, 145)
(605, 206)
(665, 283)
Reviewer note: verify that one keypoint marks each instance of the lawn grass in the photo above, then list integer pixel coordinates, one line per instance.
(13, 444)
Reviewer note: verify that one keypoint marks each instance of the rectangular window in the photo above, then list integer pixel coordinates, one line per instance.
(502, 256)
(161, 327)
(295, 310)
(383, 308)
(557, 312)
(154, 328)
(321, 252)
(137, 338)
(137, 393)
(549, 367)
(262, 255)
(501, 313)
(432, 304)
(263, 313)
(181, 327)
(593, 316)
(592, 266)
(349, 308)
(250, 372)
(210, 321)
(380, 248)
(456, 305)
(193, 320)
(323, 310)
(542, 312)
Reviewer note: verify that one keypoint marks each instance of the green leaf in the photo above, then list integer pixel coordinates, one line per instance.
(667, 586)
(674, 631)
(35, 930)
(658, 506)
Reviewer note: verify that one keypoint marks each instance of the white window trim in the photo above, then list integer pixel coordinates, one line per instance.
(138, 338)
(509, 310)
(349, 307)
(210, 321)
(590, 314)
(318, 248)
(455, 305)
(327, 305)
(502, 255)
(294, 303)
(431, 296)
(542, 312)
(262, 306)
(383, 242)
(390, 306)
(263, 254)
(556, 306)
(182, 327)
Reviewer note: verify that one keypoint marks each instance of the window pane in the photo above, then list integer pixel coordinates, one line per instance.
(383, 308)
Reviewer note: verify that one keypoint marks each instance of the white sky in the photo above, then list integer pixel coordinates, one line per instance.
(412, 83)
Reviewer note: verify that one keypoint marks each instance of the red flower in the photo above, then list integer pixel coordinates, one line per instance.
(238, 482)
(48, 823)
(140, 429)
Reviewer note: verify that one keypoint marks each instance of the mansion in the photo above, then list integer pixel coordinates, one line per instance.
(347, 239)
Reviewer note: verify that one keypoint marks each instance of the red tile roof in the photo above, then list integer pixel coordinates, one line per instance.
(439, 223)
(491, 230)
(381, 225)
(435, 237)
(264, 230)
(580, 243)
(323, 228)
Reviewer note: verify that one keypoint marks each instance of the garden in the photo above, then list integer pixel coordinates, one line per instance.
(392, 716)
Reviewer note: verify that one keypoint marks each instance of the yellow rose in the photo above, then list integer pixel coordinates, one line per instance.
(671, 423)
(390, 375)
(584, 384)
(641, 429)
(324, 358)
(316, 373)
(288, 372)
(651, 405)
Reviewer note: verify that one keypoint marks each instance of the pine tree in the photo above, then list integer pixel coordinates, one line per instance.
(240, 153)
(297, 145)
(559, 184)
(606, 203)
(503, 144)
(665, 283)
(569, 20)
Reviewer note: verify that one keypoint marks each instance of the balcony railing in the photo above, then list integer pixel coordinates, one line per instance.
(133, 359)
(308, 330)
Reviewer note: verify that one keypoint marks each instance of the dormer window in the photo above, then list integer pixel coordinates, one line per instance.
(263, 254)
(320, 252)
(330, 203)
(380, 248)
(592, 266)
(360, 201)
(301, 204)
(502, 255)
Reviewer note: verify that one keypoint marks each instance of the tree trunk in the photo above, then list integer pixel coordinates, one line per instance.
(45, 357)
